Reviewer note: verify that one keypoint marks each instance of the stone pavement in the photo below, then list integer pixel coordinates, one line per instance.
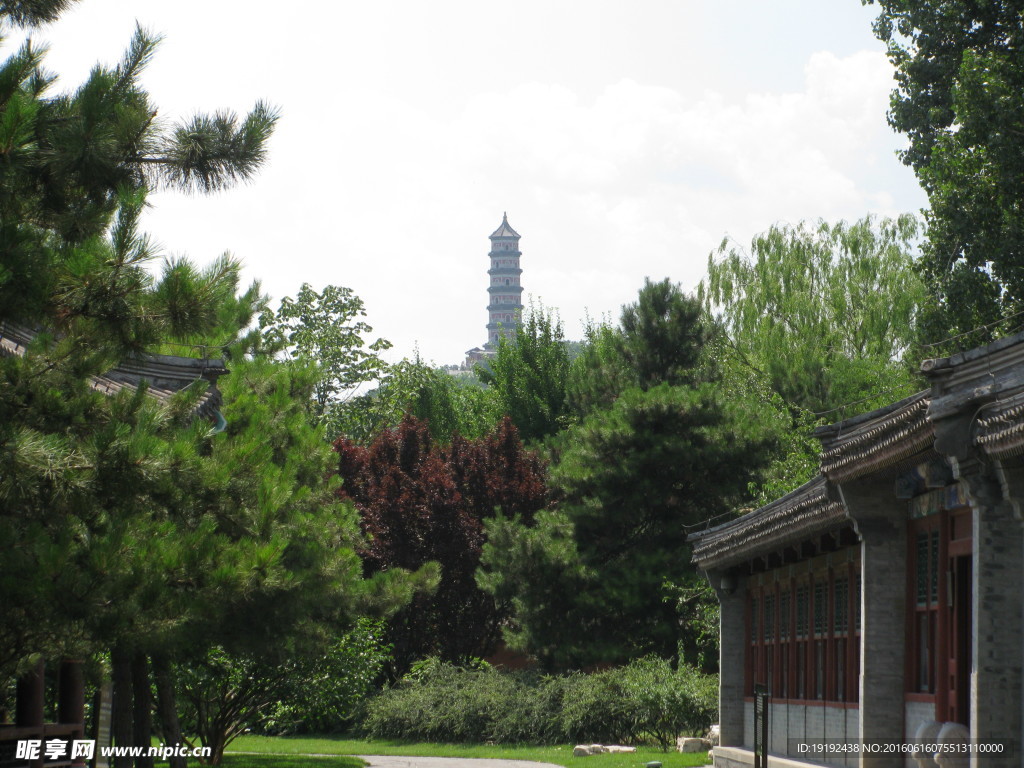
(395, 761)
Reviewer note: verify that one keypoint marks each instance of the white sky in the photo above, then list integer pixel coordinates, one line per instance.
(625, 139)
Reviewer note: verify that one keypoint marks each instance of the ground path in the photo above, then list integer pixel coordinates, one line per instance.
(403, 761)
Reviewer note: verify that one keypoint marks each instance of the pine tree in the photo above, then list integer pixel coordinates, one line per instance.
(128, 524)
(267, 567)
(591, 580)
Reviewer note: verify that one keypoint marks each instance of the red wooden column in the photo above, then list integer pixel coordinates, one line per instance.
(31, 689)
(30, 697)
(71, 700)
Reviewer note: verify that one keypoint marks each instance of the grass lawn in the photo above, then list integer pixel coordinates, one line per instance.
(290, 761)
(268, 746)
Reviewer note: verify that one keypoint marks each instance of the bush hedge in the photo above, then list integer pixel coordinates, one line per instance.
(326, 693)
(643, 702)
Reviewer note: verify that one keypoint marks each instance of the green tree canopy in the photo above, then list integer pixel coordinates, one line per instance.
(127, 523)
(590, 579)
(959, 77)
(33, 12)
(92, 473)
(598, 373)
(323, 329)
(662, 337)
(423, 503)
(72, 160)
(826, 312)
(448, 404)
(528, 374)
(262, 555)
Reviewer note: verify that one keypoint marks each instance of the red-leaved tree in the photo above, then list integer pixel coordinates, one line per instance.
(420, 502)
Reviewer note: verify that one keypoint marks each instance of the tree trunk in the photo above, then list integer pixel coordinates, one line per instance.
(121, 712)
(167, 707)
(143, 714)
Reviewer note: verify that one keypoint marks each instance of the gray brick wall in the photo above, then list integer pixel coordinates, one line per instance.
(814, 728)
(732, 642)
(883, 560)
(852, 730)
(778, 726)
(998, 626)
(797, 723)
(835, 727)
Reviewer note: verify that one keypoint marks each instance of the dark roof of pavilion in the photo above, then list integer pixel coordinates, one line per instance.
(164, 375)
(988, 384)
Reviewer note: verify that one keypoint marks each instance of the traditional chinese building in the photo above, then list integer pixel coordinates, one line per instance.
(883, 600)
(504, 294)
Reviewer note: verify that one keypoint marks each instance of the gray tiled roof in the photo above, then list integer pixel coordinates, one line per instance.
(876, 440)
(164, 375)
(799, 515)
(504, 230)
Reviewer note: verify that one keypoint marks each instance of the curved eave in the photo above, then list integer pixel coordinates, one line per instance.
(172, 368)
(1000, 429)
(1007, 352)
(164, 375)
(799, 515)
(876, 440)
(205, 407)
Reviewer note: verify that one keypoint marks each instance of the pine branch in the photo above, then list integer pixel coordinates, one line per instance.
(136, 58)
(32, 13)
(211, 153)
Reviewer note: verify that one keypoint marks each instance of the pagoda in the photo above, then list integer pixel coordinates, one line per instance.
(504, 294)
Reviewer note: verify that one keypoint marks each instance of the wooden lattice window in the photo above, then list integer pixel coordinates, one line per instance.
(803, 631)
(925, 614)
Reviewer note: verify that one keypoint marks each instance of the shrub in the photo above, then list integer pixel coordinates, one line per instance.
(533, 714)
(597, 709)
(646, 700)
(327, 692)
(441, 702)
(665, 702)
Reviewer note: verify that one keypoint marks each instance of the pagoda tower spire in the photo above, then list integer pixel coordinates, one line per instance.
(504, 294)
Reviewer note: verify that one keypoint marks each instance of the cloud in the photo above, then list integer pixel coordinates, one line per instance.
(640, 181)
(370, 190)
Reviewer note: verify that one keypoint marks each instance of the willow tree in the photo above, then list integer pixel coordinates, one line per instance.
(826, 312)
(448, 404)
